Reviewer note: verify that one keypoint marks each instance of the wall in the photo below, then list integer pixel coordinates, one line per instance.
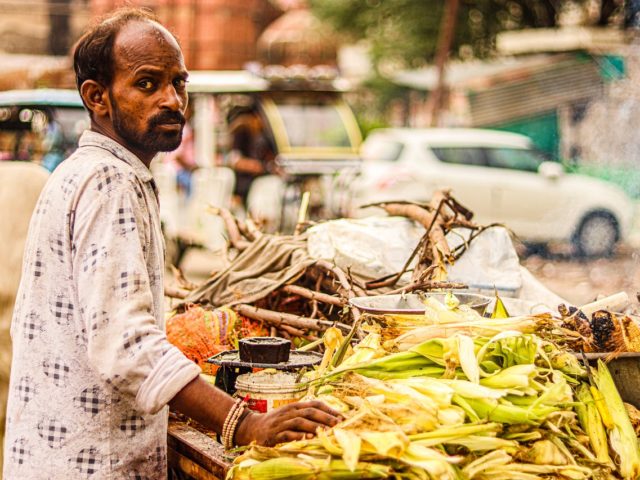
(214, 34)
(24, 28)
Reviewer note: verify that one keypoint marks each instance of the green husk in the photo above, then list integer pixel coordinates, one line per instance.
(622, 436)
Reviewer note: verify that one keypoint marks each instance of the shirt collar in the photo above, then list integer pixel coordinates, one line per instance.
(95, 139)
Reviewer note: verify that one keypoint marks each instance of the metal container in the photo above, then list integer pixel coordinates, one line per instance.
(264, 349)
(625, 371)
(413, 303)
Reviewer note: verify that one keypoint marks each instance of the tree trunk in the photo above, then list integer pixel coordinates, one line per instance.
(445, 40)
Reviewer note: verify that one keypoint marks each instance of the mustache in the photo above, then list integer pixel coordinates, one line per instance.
(166, 117)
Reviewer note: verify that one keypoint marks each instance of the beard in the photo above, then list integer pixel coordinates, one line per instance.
(150, 139)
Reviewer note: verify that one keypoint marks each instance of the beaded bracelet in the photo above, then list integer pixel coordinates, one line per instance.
(231, 422)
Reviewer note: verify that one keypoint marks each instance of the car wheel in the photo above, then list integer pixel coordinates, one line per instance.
(597, 235)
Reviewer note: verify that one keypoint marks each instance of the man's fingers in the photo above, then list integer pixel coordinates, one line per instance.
(300, 424)
(312, 409)
(319, 416)
(311, 413)
(288, 436)
(317, 404)
(325, 408)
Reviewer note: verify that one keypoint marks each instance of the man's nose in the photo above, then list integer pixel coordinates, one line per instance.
(172, 99)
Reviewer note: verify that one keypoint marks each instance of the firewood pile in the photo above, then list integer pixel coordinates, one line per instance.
(273, 279)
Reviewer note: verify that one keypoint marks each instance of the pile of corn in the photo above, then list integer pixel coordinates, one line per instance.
(487, 407)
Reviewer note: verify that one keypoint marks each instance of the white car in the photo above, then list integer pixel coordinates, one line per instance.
(499, 176)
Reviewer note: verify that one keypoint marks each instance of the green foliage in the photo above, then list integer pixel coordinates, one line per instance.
(375, 97)
(405, 32)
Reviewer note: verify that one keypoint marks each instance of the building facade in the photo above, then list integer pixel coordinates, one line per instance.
(214, 34)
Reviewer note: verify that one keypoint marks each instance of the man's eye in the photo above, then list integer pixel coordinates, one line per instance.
(145, 84)
(180, 83)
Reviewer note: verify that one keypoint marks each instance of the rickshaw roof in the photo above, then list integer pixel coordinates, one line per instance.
(225, 81)
(41, 97)
(244, 81)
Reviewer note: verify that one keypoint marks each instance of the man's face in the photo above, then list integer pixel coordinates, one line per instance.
(147, 94)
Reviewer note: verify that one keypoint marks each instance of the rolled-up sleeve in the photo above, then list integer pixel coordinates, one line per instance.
(126, 345)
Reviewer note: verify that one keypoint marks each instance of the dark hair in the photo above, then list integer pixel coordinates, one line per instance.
(93, 53)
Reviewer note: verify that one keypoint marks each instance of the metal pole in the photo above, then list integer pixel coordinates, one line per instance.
(203, 110)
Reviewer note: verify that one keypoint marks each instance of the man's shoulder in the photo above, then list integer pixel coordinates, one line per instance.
(95, 170)
(92, 160)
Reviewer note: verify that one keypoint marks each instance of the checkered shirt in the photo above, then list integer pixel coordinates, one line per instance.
(92, 368)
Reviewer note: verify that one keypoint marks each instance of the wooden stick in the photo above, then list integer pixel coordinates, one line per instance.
(235, 238)
(339, 274)
(252, 228)
(291, 330)
(311, 295)
(314, 309)
(181, 279)
(244, 230)
(173, 292)
(427, 286)
(279, 318)
(297, 333)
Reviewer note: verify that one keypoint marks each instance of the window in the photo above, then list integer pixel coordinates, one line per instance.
(310, 123)
(515, 159)
(460, 155)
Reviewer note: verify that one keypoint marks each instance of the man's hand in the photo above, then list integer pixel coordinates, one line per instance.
(209, 406)
(291, 422)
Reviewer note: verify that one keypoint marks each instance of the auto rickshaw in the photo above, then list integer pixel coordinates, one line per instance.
(311, 131)
(40, 125)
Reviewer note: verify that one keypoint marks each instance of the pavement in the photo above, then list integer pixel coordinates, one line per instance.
(581, 282)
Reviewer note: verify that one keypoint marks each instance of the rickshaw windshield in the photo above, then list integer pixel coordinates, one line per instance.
(310, 123)
(29, 133)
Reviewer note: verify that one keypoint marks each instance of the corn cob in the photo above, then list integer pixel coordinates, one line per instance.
(622, 435)
(631, 333)
(591, 422)
(607, 332)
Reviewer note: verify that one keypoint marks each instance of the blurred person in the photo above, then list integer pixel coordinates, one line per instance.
(53, 145)
(24, 146)
(252, 153)
(93, 373)
(20, 186)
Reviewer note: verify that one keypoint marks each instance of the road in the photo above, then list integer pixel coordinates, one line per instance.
(580, 282)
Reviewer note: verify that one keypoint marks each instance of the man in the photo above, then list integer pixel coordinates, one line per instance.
(92, 370)
(251, 153)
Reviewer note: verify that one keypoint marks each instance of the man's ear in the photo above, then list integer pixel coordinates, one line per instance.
(96, 98)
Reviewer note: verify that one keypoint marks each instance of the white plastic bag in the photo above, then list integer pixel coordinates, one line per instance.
(374, 247)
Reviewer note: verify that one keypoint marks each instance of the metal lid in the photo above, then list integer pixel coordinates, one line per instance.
(297, 360)
(413, 303)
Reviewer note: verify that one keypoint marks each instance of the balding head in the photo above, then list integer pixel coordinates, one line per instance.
(93, 56)
(132, 78)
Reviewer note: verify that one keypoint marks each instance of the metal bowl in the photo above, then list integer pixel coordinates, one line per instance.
(625, 371)
(413, 303)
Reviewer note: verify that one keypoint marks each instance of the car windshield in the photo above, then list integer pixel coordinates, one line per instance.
(309, 122)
